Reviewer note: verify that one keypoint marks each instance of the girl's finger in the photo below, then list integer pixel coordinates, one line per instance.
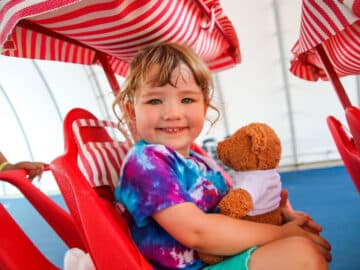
(325, 252)
(313, 226)
(284, 195)
(320, 241)
(39, 175)
(31, 174)
(300, 220)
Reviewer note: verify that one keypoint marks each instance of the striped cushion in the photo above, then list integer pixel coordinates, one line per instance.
(100, 162)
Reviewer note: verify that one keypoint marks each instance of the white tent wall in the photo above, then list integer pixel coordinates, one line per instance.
(256, 89)
(35, 97)
(260, 89)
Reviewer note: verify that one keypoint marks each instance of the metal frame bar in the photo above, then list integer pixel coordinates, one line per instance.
(333, 77)
(285, 76)
(48, 89)
(2, 90)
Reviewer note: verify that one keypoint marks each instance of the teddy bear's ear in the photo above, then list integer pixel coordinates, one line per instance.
(222, 151)
(257, 137)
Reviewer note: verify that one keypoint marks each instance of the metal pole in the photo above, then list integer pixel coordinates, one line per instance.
(18, 121)
(99, 93)
(285, 79)
(221, 97)
(47, 86)
(110, 75)
(333, 77)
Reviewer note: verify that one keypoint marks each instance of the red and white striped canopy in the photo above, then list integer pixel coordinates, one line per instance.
(75, 30)
(336, 25)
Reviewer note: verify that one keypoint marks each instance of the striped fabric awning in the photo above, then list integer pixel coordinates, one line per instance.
(336, 25)
(75, 30)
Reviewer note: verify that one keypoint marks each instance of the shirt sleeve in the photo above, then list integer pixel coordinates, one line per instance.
(151, 181)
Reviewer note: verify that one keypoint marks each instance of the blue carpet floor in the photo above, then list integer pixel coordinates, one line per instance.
(37, 229)
(328, 195)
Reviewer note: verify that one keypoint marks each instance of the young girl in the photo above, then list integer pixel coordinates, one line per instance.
(171, 192)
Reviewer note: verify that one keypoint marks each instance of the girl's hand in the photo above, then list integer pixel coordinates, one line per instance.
(289, 214)
(309, 226)
(33, 168)
(295, 227)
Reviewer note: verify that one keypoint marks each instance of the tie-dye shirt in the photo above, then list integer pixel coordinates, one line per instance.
(155, 177)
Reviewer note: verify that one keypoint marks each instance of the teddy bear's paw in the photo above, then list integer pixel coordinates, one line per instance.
(210, 259)
(237, 203)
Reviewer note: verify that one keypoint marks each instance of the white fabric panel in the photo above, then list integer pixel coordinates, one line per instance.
(254, 91)
(27, 92)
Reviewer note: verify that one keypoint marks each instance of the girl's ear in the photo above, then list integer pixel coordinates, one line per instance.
(129, 108)
(130, 120)
(205, 108)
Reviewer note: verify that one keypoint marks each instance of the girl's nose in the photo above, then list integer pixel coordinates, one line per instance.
(171, 112)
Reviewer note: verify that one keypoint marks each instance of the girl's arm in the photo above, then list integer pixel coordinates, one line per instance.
(222, 235)
(33, 168)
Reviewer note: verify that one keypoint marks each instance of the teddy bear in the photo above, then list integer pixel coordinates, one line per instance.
(253, 153)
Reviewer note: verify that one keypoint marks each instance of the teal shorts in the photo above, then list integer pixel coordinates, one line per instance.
(237, 262)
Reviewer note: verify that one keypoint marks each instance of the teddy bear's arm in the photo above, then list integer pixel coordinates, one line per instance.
(237, 203)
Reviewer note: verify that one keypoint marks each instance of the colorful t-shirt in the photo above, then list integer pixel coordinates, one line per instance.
(155, 177)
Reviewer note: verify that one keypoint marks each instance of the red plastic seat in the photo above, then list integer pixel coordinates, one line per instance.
(59, 219)
(17, 251)
(105, 233)
(352, 114)
(347, 149)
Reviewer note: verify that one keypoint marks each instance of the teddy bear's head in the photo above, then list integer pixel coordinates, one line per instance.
(252, 147)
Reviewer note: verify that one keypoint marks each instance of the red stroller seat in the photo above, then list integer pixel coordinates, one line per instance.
(347, 149)
(59, 219)
(90, 201)
(17, 251)
(352, 114)
(93, 224)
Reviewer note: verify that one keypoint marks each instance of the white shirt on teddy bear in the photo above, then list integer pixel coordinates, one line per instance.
(264, 187)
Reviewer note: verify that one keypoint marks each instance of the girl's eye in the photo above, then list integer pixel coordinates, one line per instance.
(154, 101)
(187, 100)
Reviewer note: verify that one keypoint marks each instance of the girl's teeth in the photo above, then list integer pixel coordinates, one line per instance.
(172, 129)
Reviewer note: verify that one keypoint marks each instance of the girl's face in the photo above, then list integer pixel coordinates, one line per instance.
(172, 116)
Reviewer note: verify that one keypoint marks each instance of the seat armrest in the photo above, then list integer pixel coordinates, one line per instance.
(347, 149)
(57, 217)
(17, 251)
